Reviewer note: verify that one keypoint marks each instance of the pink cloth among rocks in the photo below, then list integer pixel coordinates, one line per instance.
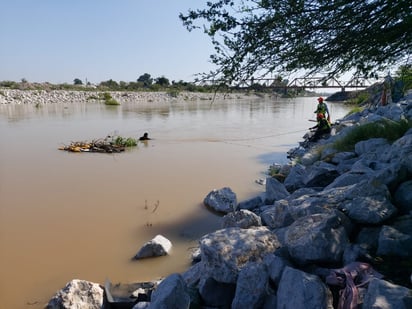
(350, 278)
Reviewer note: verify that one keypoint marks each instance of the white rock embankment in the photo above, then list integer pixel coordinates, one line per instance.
(15, 96)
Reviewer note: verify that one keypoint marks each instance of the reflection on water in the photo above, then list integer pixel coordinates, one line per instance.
(67, 215)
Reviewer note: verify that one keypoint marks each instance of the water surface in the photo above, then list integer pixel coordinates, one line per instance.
(84, 215)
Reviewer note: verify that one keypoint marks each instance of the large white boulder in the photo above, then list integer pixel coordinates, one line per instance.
(158, 246)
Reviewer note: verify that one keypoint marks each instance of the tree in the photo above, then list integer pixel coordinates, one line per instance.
(146, 79)
(272, 36)
(111, 84)
(77, 81)
(162, 81)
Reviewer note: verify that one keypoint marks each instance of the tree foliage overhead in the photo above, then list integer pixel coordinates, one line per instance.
(265, 36)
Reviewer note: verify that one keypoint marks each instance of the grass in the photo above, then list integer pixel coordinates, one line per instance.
(391, 130)
(174, 93)
(360, 99)
(108, 99)
(354, 110)
(125, 142)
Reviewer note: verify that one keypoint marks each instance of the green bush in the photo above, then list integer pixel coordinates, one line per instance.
(391, 130)
(108, 99)
(354, 110)
(361, 98)
(125, 142)
(174, 93)
(111, 102)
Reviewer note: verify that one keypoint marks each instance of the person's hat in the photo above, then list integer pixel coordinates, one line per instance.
(320, 99)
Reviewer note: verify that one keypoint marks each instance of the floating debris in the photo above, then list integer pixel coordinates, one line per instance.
(110, 144)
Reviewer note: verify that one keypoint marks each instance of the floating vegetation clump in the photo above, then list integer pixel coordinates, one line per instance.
(110, 144)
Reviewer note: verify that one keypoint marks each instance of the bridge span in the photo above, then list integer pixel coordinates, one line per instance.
(302, 83)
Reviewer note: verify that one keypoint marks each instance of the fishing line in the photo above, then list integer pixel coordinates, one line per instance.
(227, 141)
(266, 136)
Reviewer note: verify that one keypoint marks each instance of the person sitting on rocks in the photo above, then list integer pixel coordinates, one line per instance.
(323, 127)
(145, 137)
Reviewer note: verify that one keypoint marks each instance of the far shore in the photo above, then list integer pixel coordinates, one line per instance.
(16, 96)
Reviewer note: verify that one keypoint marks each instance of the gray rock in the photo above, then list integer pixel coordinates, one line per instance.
(300, 290)
(320, 175)
(281, 234)
(276, 265)
(362, 166)
(242, 218)
(382, 294)
(403, 197)
(353, 253)
(142, 305)
(158, 246)
(301, 192)
(328, 153)
(401, 150)
(403, 224)
(394, 242)
(346, 165)
(195, 255)
(316, 238)
(225, 252)
(250, 204)
(251, 286)
(343, 156)
(171, 293)
(373, 145)
(390, 174)
(270, 301)
(346, 179)
(368, 238)
(217, 294)
(285, 212)
(193, 275)
(310, 157)
(223, 200)
(275, 190)
(278, 215)
(78, 294)
(390, 111)
(294, 180)
(367, 202)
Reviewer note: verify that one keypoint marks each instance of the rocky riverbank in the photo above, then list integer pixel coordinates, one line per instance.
(334, 232)
(15, 96)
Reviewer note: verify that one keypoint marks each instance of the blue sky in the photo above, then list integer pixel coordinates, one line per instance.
(60, 40)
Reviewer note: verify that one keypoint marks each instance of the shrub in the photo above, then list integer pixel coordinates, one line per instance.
(125, 142)
(391, 130)
(354, 110)
(174, 93)
(111, 102)
(108, 99)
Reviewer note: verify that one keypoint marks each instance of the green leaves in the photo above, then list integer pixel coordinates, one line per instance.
(270, 36)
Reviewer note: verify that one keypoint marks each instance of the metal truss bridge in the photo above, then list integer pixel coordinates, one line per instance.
(302, 83)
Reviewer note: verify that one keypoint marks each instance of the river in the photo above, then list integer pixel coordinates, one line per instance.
(85, 215)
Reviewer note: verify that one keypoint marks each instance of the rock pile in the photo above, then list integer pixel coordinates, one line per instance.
(15, 96)
(335, 233)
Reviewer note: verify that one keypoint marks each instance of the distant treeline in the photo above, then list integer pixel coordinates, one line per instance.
(144, 83)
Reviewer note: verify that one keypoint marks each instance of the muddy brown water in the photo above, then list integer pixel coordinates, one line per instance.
(84, 215)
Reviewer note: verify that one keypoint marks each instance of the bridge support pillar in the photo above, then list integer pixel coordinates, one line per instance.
(342, 89)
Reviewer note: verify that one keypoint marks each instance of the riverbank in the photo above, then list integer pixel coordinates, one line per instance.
(339, 220)
(15, 96)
